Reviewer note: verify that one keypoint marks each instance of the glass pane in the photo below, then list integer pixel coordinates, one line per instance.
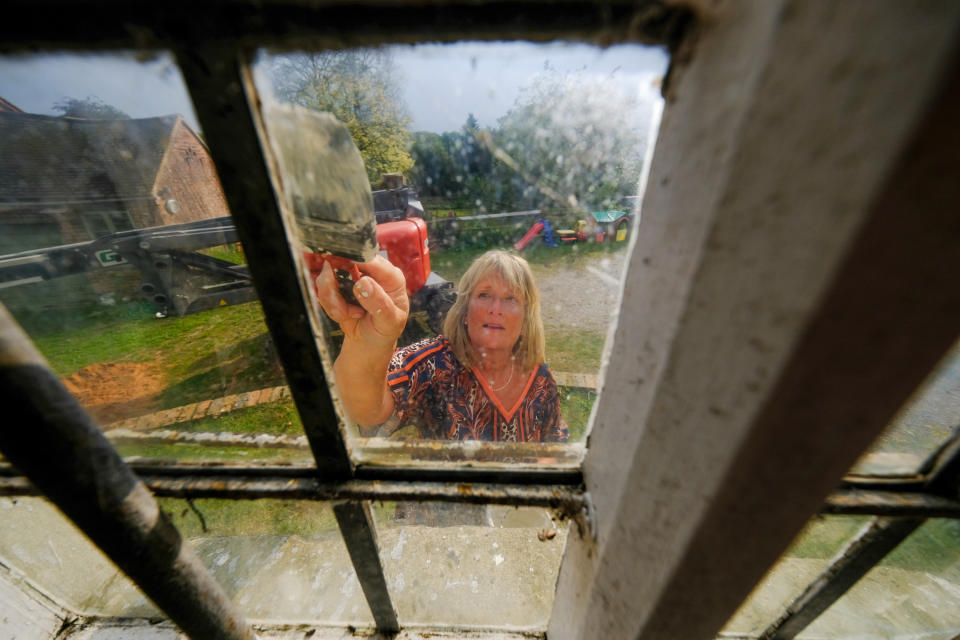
(925, 422)
(911, 594)
(278, 561)
(118, 257)
(536, 150)
(470, 565)
(37, 541)
(807, 557)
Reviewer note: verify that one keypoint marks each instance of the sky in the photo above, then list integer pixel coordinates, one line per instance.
(441, 84)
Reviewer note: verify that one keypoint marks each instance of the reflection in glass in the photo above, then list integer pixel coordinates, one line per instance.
(470, 565)
(118, 256)
(911, 594)
(922, 425)
(536, 150)
(278, 560)
(54, 557)
(808, 556)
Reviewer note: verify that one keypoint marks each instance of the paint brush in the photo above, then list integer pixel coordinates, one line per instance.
(322, 178)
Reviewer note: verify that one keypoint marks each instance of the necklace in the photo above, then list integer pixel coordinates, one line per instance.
(504, 385)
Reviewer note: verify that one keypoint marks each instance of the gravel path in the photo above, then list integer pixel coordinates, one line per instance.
(583, 297)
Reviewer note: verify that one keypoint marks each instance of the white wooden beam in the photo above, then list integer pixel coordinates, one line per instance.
(751, 365)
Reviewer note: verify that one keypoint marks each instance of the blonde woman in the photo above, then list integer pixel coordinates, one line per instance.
(485, 378)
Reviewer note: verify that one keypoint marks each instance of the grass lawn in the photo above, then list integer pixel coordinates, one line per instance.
(207, 453)
(574, 350)
(575, 406)
(203, 355)
(274, 418)
(931, 548)
(249, 517)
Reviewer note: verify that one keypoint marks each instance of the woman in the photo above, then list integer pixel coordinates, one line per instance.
(484, 379)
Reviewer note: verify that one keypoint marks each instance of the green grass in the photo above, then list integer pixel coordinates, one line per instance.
(229, 252)
(825, 536)
(249, 517)
(575, 406)
(184, 451)
(574, 350)
(274, 418)
(932, 548)
(204, 355)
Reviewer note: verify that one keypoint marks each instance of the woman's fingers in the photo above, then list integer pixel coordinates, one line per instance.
(387, 317)
(390, 279)
(328, 295)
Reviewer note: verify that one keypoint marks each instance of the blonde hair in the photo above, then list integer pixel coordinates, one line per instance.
(515, 272)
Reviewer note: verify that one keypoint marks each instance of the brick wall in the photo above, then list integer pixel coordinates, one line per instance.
(188, 176)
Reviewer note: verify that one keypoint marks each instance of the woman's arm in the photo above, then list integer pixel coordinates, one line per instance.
(370, 333)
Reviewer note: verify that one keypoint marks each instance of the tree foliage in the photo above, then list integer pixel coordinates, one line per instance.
(456, 165)
(572, 142)
(361, 88)
(90, 108)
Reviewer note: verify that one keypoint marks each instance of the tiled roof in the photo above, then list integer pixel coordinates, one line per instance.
(47, 159)
(9, 107)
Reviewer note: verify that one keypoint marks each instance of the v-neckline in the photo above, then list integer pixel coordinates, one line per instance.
(492, 395)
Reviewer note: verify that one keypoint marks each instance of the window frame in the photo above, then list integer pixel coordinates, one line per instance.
(218, 76)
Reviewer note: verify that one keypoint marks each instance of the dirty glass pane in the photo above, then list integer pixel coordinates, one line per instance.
(535, 150)
(53, 557)
(911, 594)
(118, 257)
(278, 561)
(470, 565)
(808, 556)
(924, 422)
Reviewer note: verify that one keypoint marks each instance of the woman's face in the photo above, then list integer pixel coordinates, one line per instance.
(494, 316)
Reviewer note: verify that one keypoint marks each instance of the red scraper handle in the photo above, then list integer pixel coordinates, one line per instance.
(345, 270)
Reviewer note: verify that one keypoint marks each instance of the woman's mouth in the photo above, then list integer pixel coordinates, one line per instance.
(495, 327)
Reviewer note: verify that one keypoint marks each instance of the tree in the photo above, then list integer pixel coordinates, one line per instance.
(571, 142)
(456, 165)
(433, 170)
(361, 88)
(90, 108)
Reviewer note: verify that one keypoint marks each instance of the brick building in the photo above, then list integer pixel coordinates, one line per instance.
(66, 180)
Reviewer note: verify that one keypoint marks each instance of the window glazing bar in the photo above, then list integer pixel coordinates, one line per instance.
(218, 79)
(569, 501)
(55, 443)
(890, 503)
(451, 474)
(875, 540)
(870, 546)
(359, 534)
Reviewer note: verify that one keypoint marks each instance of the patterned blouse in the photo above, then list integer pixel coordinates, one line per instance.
(448, 401)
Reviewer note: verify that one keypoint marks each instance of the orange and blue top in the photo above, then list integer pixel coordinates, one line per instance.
(446, 400)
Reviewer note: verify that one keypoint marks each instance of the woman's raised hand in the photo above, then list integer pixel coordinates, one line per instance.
(382, 296)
